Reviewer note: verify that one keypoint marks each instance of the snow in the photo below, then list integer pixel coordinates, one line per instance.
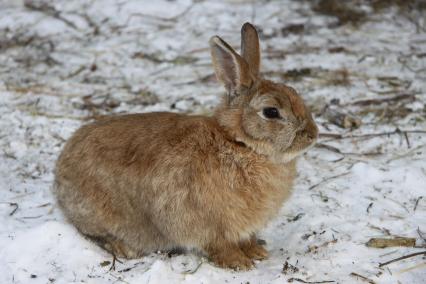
(153, 56)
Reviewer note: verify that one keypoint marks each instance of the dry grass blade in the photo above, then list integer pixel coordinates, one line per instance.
(327, 179)
(397, 98)
(290, 280)
(338, 151)
(363, 278)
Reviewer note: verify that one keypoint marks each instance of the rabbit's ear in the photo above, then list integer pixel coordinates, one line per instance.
(250, 49)
(230, 68)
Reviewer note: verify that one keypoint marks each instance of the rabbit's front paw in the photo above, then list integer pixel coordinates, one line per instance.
(231, 257)
(253, 250)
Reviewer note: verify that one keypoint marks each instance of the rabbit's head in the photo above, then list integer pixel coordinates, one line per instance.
(268, 117)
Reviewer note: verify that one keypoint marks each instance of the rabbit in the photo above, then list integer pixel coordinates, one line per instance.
(141, 183)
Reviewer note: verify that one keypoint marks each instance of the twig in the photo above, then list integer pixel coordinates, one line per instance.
(402, 257)
(75, 73)
(32, 217)
(371, 135)
(131, 267)
(44, 205)
(57, 136)
(12, 204)
(331, 135)
(56, 116)
(368, 280)
(311, 282)
(383, 230)
(388, 253)
(91, 23)
(405, 154)
(369, 207)
(170, 20)
(417, 203)
(407, 140)
(15, 209)
(9, 155)
(327, 179)
(114, 259)
(368, 102)
(336, 150)
(399, 203)
(421, 235)
(50, 11)
(118, 278)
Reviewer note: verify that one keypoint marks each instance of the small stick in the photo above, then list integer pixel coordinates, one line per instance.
(417, 203)
(371, 135)
(362, 277)
(32, 217)
(407, 140)
(368, 102)
(369, 207)
(9, 155)
(421, 235)
(338, 151)
(49, 11)
(12, 204)
(402, 257)
(388, 253)
(112, 267)
(330, 135)
(130, 268)
(114, 259)
(311, 282)
(327, 179)
(15, 209)
(383, 230)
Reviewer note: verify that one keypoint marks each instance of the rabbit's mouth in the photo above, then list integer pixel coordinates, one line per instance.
(301, 143)
(289, 155)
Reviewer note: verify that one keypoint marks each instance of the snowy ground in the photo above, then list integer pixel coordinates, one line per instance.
(65, 62)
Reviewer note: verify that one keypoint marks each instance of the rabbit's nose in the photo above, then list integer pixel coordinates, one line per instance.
(312, 133)
(310, 130)
(311, 136)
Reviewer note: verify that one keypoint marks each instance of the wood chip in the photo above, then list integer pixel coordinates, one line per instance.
(394, 242)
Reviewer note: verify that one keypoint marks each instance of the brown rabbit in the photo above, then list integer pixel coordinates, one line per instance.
(145, 182)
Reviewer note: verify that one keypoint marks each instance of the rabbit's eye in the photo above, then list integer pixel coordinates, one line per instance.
(271, 112)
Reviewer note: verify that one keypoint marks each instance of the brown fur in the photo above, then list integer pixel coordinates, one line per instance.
(157, 181)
